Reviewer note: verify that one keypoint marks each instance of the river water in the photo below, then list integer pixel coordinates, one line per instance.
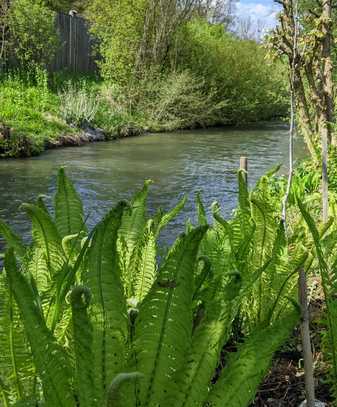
(178, 163)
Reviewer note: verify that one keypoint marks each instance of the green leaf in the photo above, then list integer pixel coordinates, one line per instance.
(83, 347)
(68, 207)
(47, 238)
(115, 399)
(12, 239)
(145, 263)
(50, 359)
(202, 217)
(247, 367)
(169, 216)
(107, 312)
(164, 325)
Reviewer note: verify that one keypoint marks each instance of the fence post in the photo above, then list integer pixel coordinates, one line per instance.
(244, 167)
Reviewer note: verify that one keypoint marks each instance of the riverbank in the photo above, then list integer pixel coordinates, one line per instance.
(40, 111)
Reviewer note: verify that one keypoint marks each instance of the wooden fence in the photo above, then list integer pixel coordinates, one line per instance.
(76, 50)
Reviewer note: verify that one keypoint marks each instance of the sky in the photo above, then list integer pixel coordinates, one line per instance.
(264, 10)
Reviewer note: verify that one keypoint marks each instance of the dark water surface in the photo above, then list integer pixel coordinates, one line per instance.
(178, 163)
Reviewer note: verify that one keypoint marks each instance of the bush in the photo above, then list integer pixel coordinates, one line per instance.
(118, 26)
(33, 34)
(178, 100)
(79, 105)
(236, 70)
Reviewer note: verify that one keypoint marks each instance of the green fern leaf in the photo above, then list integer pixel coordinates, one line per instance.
(169, 216)
(164, 325)
(83, 341)
(145, 263)
(107, 312)
(12, 239)
(46, 237)
(245, 369)
(54, 370)
(202, 217)
(68, 207)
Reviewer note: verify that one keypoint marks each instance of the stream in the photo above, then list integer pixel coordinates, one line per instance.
(178, 163)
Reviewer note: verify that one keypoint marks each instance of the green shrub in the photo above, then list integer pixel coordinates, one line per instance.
(118, 26)
(78, 104)
(178, 100)
(33, 34)
(236, 70)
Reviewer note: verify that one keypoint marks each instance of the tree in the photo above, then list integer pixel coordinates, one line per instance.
(4, 30)
(313, 68)
(247, 28)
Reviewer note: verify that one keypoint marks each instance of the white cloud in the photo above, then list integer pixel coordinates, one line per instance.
(256, 11)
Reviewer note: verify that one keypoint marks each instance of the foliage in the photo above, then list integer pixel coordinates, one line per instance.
(118, 26)
(79, 105)
(30, 110)
(123, 330)
(237, 71)
(33, 33)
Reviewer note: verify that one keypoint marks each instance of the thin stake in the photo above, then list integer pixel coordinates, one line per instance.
(292, 113)
(244, 167)
(306, 342)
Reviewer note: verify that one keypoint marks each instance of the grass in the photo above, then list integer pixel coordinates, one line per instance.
(41, 110)
(31, 111)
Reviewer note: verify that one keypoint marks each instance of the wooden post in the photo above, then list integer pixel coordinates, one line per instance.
(244, 167)
(306, 342)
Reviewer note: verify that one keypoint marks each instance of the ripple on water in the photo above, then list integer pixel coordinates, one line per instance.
(178, 163)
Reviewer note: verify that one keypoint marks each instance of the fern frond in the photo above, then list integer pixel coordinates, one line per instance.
(12, 239)
(107, 312)
(54, 370)
(46, 237)
(164, 325)
(246, 368)
(169, 216)
(15, 357)
(145, 263)
(115, 396)
(83, 341)
(202, 217)
(208, 338)
(329, 283)
(133, 221)
(68, 207)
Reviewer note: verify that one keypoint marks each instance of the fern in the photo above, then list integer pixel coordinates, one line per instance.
(164, 325)
(12, 239)
(83, 347)
(46, 237)
(165, 219)
(108, 306)
(53, 370)
(244, 371)
(145, 263)
(68, 207)
(15, 359)
(329, 283)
